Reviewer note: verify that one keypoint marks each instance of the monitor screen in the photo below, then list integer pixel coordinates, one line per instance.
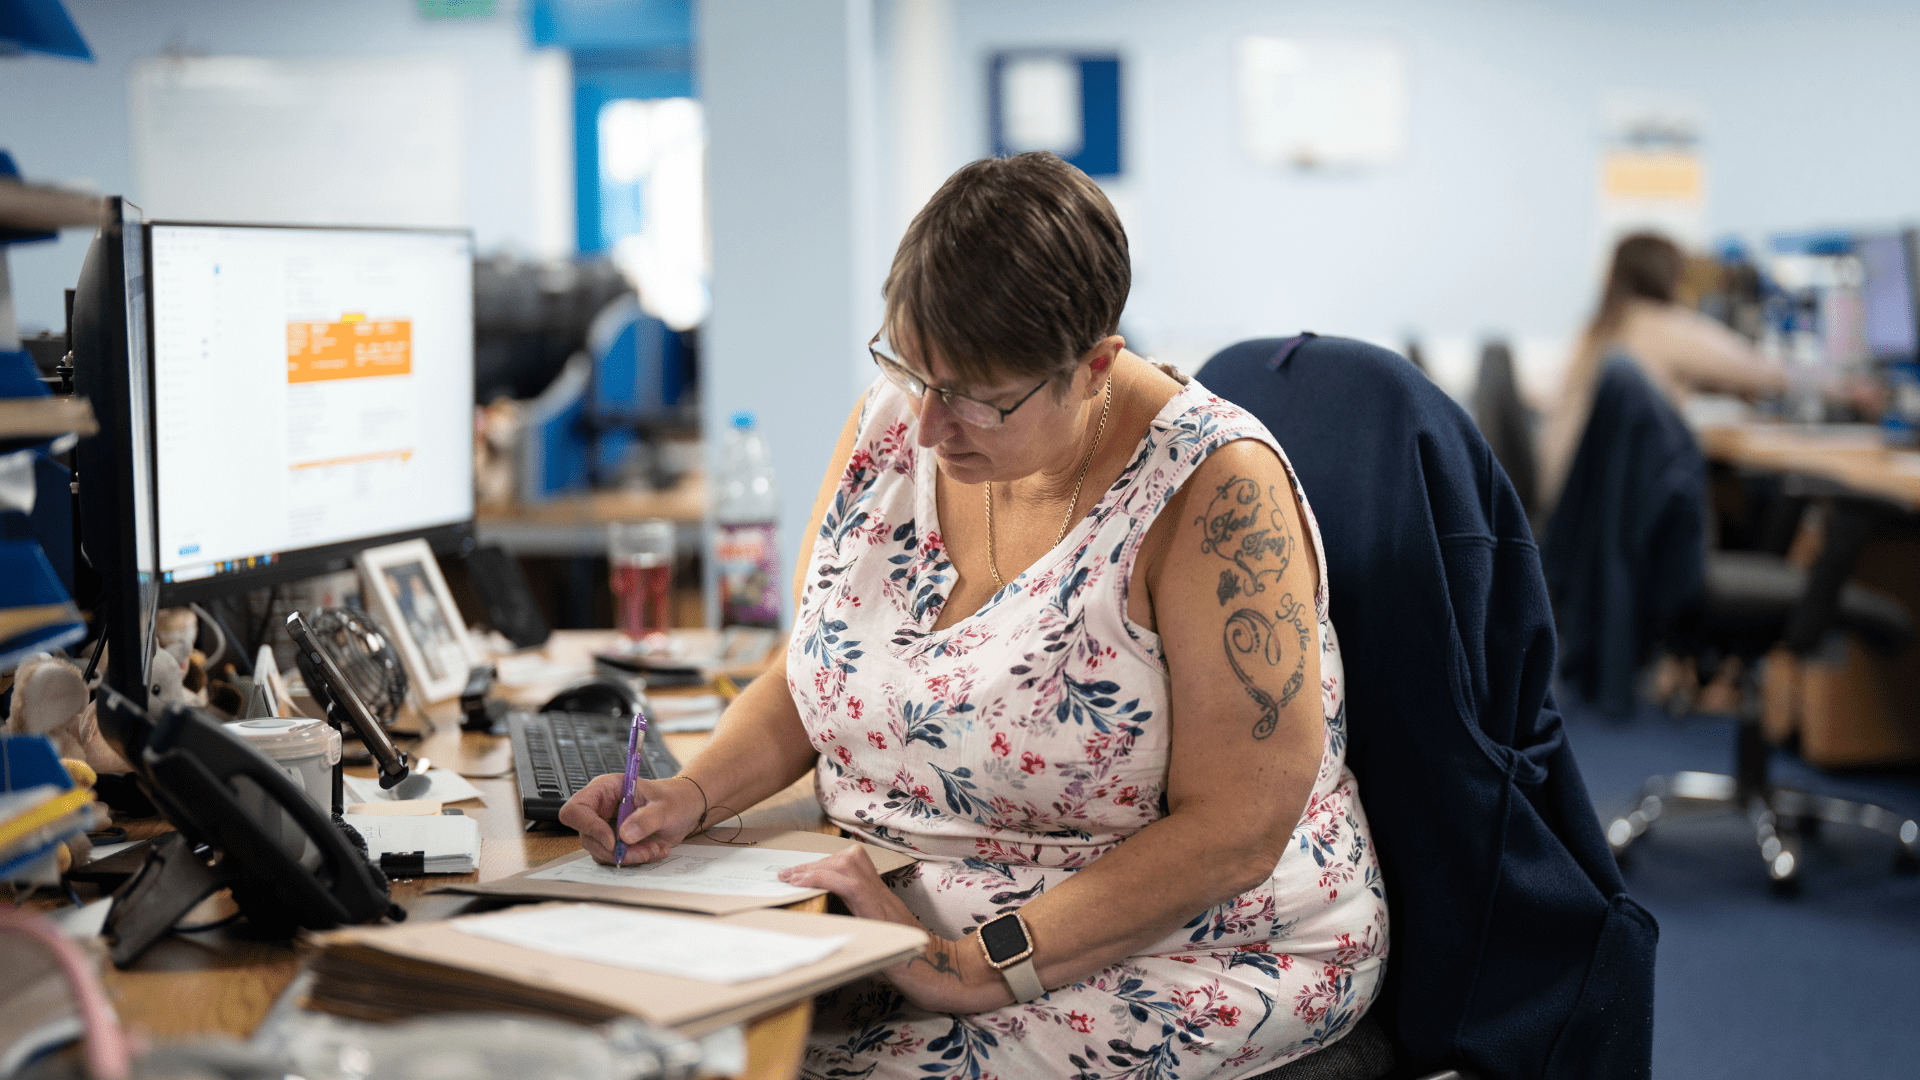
(313, 392)
(1887, 296)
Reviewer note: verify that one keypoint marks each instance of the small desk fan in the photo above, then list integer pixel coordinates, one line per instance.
(352, 672)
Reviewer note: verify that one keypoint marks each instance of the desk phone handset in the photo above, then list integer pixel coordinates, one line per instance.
(289, 867)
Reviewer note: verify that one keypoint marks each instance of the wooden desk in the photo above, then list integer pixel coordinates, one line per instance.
(576, 525)
(1860, 709)
(1850, 455)
(218, 983)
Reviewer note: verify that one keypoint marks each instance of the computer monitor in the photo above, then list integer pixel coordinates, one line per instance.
(113, 468)
(1887, 294)
(313, 393)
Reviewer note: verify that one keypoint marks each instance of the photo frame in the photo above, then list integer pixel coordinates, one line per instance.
(403, 586)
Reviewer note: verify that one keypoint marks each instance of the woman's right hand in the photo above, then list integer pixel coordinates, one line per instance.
(667, 810)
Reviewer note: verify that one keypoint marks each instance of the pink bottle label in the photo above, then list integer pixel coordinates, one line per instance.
(749, 573)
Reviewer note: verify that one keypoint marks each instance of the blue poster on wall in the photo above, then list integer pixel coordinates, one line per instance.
(1057, 100)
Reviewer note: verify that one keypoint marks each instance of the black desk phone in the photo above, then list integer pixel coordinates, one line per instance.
(290, 867)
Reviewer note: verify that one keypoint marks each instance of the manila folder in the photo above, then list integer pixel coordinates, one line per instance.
(413, 969)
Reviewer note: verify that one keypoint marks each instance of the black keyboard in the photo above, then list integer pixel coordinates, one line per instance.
(555, 754)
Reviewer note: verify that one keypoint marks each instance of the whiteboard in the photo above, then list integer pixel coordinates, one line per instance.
(1322, 102)
(311, 141)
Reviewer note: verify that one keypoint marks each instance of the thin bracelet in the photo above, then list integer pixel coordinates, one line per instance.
(700, 824)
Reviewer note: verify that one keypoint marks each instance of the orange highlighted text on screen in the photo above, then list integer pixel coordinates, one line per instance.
(355, 347)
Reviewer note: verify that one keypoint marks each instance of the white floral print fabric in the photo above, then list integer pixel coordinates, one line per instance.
(1021, 743)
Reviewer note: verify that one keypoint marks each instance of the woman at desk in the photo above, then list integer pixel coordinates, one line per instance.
(1680, 349)
(1062, 634)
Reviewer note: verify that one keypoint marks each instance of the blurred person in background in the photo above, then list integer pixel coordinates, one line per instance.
(1680, 349)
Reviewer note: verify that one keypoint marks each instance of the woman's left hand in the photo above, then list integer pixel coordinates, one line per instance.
(947, 977)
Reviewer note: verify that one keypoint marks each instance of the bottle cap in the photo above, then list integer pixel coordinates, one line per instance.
(743, 418)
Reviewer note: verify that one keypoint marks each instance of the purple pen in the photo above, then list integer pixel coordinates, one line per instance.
(635, 736)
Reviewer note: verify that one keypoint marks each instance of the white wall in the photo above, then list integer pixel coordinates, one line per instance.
(66, 120)
(788, 87)
(1489, 224)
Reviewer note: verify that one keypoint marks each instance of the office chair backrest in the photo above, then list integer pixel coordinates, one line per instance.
(1504, 421)
(1625, 550)
(1515, 949)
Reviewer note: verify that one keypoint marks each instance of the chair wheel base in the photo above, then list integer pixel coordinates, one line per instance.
(1783, 820)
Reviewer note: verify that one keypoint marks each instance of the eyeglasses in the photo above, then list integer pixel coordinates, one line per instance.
(968, 410)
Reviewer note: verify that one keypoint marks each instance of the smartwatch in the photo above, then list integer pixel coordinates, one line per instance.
(1009, 950)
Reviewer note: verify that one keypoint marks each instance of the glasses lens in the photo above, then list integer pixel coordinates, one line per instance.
(969, 411)
(902, 378)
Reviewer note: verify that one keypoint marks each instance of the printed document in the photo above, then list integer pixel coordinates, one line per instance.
(449, 844)
(443, 784)
(662, 944)
(694, 868)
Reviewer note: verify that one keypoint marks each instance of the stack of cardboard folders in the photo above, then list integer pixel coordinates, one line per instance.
(462, 964)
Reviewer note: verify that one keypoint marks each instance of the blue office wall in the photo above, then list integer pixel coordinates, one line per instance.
(1489, 223)
(621, 49)
(611, 24)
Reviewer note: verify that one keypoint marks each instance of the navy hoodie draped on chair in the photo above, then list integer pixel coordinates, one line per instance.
(1515, 950)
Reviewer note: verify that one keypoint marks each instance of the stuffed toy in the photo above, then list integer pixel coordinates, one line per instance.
(50, 698)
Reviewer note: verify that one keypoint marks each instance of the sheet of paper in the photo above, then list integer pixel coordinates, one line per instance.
(663, 944)
(439, 836)
(695, 712)
(450, 845)
(443, 784)
(400, 808)
(530, 669)
(694, 868)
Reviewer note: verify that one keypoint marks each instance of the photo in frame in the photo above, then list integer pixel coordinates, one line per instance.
(403, 586)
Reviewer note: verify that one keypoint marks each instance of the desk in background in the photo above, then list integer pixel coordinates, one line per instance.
(562, 546)
(1851, 455)
(577, 525)
(215, 982)
(1863, 708)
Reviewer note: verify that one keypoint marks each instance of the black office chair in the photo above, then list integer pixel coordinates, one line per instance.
(1515, 949)
(1626, 562)
(1506, 422)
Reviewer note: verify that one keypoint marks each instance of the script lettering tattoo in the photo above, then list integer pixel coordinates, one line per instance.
(1252, 636)
(1249, 530)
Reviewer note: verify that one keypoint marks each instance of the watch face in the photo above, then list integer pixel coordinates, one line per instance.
(1004, 939)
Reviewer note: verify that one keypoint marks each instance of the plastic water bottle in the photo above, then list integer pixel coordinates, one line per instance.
(748, 512)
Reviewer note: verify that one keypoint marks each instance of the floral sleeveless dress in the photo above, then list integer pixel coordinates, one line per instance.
(1023, 742)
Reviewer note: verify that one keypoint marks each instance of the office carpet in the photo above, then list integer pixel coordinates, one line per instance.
(1749, 984)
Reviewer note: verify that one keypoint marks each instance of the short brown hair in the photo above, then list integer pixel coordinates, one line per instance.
(1016, 266)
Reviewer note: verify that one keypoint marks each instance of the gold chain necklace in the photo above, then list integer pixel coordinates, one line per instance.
(993, 563)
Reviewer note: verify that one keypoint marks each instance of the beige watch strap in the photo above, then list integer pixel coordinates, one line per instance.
(1023, 980)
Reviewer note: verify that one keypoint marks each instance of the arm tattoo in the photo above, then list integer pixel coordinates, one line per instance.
(1249, 530)
(939, 957)
(1262, 641)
